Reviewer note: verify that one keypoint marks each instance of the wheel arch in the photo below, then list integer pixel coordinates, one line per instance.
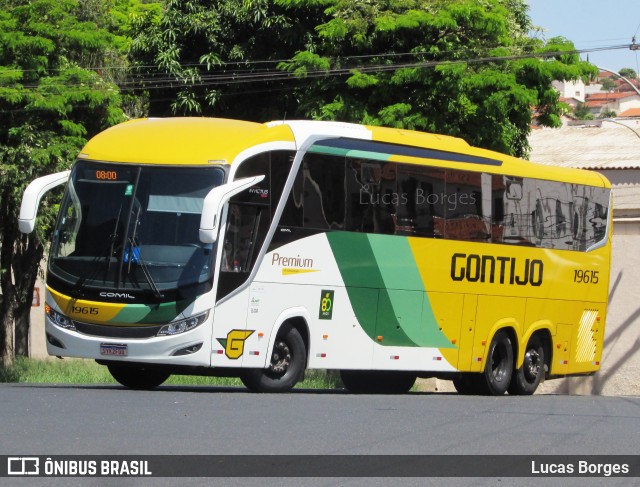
(299, 318)
(542, 330)
(510, 327)
(544, 334)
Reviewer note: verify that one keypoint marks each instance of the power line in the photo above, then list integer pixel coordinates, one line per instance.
(163, 80)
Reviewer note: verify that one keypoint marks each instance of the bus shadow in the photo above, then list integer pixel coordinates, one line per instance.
(621, 346)
(209, 389)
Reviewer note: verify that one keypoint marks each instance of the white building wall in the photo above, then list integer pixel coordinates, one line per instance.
(628, 103)
(571, 89)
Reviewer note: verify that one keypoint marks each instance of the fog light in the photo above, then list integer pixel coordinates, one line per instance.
(54, 341)
(188, 350)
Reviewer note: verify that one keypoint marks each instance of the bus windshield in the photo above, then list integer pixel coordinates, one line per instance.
(133, 227)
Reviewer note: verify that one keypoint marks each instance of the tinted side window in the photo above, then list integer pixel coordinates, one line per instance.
(372, 196)
(249, 217)
(324, 195)
(422, 193)
(466, 216)
(365, 194)
(275, 167)
(548, 214)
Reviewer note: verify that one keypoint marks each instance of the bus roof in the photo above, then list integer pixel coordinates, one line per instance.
(509, 165)
(181, 140)
(200, 140)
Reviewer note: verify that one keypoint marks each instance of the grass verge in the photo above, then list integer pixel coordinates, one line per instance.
(79, 371)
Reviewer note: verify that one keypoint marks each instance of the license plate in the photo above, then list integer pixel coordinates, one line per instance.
(117, 349)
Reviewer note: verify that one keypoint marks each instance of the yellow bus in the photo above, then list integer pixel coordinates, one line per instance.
(222, 247)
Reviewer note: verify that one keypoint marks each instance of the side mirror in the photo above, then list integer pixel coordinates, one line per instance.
(32, 196)
(213, 203)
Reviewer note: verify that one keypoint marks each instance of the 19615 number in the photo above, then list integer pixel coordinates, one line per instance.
(85, 310)
(585, 277)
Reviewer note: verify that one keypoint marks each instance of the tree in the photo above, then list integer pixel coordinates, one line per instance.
(607, 84)
(460, 67)
(608, 113)
(197, 57)
(52, 98)
(628, 73)
(582, 112)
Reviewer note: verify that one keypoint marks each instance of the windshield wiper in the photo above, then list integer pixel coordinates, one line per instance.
(135, 257)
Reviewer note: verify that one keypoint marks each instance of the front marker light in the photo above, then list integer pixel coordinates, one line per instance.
(59, 319)
(177, 327)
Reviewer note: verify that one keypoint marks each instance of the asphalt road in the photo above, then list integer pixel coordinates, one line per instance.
(110, 420)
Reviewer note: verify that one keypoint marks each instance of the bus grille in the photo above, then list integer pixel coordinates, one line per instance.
(117, 331)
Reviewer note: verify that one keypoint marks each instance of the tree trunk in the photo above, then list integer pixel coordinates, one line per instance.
(22, 320)
(26, 263)
(20, 257)
(6, 334)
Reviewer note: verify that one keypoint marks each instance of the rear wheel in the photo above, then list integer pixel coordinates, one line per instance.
(526, 379)
(135, 377)
(498, 369)
(377, 381)
(286, 369)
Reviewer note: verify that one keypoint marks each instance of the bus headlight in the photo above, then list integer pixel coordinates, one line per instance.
(58, 318)
(177, 327)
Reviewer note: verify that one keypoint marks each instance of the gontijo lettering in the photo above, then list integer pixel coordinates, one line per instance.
(490, 269)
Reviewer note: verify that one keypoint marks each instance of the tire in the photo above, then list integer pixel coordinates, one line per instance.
(139, 378)
(498, 368)
(377, 381)
(527, 378)
(287, 366)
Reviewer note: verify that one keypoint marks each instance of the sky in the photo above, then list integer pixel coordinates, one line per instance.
(592, 24)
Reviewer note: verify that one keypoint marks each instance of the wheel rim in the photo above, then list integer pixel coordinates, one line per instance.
(499, 362)
(531, 366)
(280, 359)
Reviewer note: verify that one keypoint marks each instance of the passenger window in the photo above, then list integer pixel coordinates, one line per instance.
(422, 194)
(324, 192)
(372, 196)
(464, 215)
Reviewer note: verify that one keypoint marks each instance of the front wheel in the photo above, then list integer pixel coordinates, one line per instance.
(286, 369)
(498, 369)
(138, 377)
(526, 379)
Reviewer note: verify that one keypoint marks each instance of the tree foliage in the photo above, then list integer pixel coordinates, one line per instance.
(608, 84)
(628, 73)
(52, 97)
(463, 68)
(582, 112)
(181, 56)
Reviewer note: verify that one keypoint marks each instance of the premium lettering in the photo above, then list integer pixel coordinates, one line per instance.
(496, 269)
(297, 261)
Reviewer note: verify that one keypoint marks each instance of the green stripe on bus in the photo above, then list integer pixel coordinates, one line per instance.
(338, 151)
(387, 295)
(157, 314)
